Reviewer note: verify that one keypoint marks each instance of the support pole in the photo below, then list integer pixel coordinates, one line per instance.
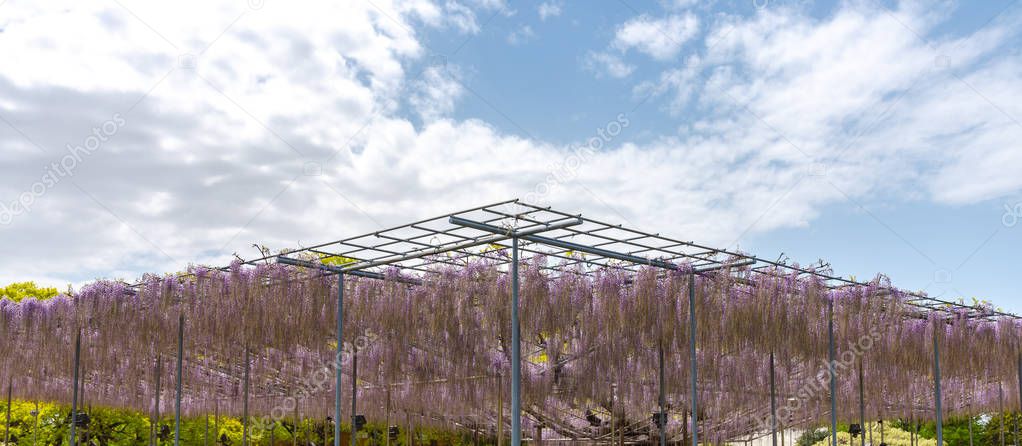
(773, 403)
(180, 378)
(613, 390)
(387, 423)
(35, 426)
(337, 366)
(74, 393)
(500, 410)
(7, 430)
(205, 433)
(662, 416)
(830, 367)
(936, 389)
(912, 434)
(516, 352)
(1019, 393)
(692, 357)
(970, 428)
(216, 421)
(862, 406)
(1000, 397)
(244, 404)
(354, 394)
(154, 426)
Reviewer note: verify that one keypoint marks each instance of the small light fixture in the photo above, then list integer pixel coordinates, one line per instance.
(855, 430)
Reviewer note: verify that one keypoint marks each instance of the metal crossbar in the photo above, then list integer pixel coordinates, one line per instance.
(569, 242)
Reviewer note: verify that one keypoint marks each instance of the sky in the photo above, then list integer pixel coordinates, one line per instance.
(882, 137)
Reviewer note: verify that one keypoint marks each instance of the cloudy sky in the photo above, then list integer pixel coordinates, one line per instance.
(881, 136)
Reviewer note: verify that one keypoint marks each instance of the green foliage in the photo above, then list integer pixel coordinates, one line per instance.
(893, 436)
(114, 427)
(985, 429)
(23, 290)
(336, 260)
(811, 437)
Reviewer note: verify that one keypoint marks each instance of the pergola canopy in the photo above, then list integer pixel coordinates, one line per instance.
(606, 326)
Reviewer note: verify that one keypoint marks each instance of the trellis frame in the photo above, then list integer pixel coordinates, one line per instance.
(575, 244)
(580, 244)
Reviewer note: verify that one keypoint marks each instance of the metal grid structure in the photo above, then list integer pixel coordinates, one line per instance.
(575, 244)
(570, 242)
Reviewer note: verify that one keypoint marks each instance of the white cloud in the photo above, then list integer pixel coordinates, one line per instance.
(461, 17)
(549, 10)
(436, 92)
(521, 35)
(681, 82)
(863, 94)
(290, 128)
(660, 38)
(609, 63)
(680, 4)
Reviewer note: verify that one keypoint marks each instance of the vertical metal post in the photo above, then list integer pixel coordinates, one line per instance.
(354, 393)
(294, 435)
(337, 366)
(500, 410)
(773, 403)
(216, 420)
(273, 425)
(1000, 397)
(244, 403)
(516, 352)
(662, 416)
(74, 393)
(692, 357)
(180, 378)
(205, 433)
(1019, 394)
(387, 423)
(613, 391)
(862, 405)
(830, 367)
(936, 388)
(154, 426)
(35, 426)
(7, 430)
(971, 418)
(913, 439)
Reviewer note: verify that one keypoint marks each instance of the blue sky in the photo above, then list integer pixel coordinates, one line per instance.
(882, 137)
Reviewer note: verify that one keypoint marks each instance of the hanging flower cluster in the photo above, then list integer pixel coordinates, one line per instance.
(439, 352)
